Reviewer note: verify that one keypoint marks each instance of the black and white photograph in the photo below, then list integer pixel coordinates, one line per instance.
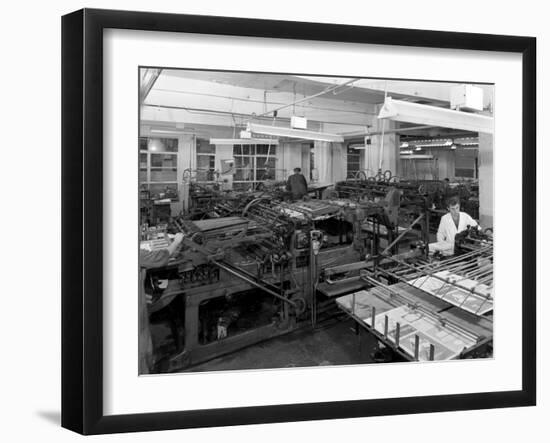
(306, 230)
(289, 220)
(243, 222)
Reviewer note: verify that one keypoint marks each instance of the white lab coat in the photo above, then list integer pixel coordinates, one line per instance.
(447, 228)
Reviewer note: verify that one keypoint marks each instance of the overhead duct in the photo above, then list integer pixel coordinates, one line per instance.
(431, 115)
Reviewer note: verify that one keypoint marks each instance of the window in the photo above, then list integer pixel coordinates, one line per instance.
(158, 167)
(466, 162)
(158, 144)
(253, 164)
(206, 160)
(353, 161)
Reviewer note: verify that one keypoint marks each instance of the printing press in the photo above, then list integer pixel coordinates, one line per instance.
(258, 271)
(435, 308)
(254, 266)
(435, 192)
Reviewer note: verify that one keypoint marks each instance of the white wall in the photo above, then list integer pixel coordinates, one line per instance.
(30, 374)
(292, 155)
(441, 166)
(446, 164)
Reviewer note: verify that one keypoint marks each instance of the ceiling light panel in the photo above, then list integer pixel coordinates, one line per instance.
(244, 141)
(294, 133)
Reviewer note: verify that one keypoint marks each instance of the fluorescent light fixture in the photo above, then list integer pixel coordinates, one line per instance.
(417, 157)
(166, 131)
(438, 143)
(467, 140)
(418, 148)
(430, 143)
(408, 151)
(294, 133)
(359, 147)
(404, 145)
(453, 146)
(431, 115)
(244, 141)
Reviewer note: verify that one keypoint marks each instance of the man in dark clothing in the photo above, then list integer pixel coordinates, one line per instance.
(297, 184)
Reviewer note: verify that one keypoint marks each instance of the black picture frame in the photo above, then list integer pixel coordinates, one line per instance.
(82, 160)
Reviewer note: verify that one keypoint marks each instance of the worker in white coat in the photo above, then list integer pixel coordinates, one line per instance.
(453, 222)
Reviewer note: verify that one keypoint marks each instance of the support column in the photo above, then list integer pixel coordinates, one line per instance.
(187, 159)
(339, 163)
(390, 152)
(485, 165)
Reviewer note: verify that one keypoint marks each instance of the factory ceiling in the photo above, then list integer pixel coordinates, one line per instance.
(226, 101)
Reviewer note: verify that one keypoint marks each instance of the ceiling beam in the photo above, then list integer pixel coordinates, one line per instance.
(148, 79)
(196, 93)
(431, 115)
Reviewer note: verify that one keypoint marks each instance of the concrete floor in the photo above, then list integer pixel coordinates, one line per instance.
(332, 344)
